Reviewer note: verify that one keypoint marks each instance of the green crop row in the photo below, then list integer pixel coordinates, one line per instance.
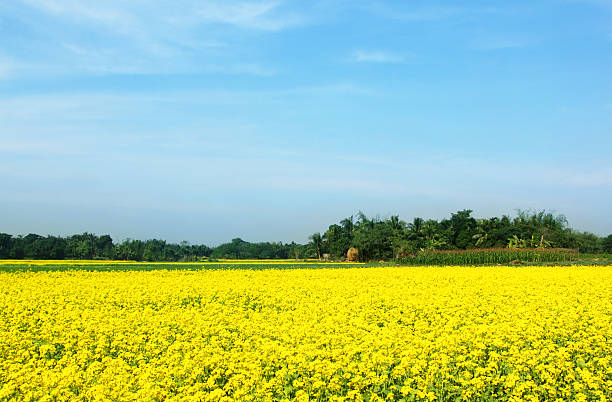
(489, 256)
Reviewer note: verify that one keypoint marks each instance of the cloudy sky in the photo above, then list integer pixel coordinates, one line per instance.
(269, 120)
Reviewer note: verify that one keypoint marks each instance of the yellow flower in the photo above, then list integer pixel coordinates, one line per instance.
(528, 333)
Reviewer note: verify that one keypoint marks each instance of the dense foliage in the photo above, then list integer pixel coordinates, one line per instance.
(90, 246)
(392, 238)
(241, 249)
(374, 238)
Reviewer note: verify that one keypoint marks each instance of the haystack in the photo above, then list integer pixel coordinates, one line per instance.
(352, 254)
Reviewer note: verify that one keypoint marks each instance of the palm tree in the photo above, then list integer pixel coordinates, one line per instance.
(348, 225)
(395, 222)
(416, 226)
(364, 222)
(316, 242)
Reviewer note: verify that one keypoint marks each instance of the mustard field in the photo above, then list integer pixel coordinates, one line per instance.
(431, 333)
(204, 263)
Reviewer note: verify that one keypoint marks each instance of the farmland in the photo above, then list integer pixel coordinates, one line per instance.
(372, 333)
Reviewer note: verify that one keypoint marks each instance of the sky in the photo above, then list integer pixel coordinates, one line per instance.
(269, 120)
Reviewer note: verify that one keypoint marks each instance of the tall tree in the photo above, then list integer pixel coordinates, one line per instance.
(317, 242)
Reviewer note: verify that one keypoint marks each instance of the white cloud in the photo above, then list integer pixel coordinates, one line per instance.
(429, 13)
(409, 12)
(251, 69)
(368, 56)
(141, 17)
(6, 67)
(602, 3)
(81, 51)
(601, 178)
(37, 147)
(137, 37)
(258, 15)
(108, 14)
(332, 89)
(64, 110)
(102, 61)
(500, 43)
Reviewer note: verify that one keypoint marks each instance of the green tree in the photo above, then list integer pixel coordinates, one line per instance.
(317, 242)
(6, 245)
(460, 228)
(606, 244)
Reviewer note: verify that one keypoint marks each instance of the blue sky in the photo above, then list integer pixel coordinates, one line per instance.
(270, 120)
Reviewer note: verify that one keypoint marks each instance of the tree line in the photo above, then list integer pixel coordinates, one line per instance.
(391, 238)
(374, 238)
(90, 246)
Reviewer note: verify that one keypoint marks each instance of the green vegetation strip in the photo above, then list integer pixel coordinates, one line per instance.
(490, 256)
(170, 266)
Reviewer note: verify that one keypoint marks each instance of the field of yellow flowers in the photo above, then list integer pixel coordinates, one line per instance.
(437, 333)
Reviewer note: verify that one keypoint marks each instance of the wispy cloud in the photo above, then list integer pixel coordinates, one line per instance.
(601, 177)
(410, 12)
(500, 43)
(108, 14)
(138, 17)
(8, 66)
(346, 88)
(184, 36)
(81, 51)
(37, 147)
(429, 13)
(376, 56)
(87, 106)
(258, 15)
(249, 68)
(603, 3)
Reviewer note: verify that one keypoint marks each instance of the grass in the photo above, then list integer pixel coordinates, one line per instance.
(424, 258)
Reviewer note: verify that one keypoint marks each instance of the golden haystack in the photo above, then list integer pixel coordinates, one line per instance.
(352, 254)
